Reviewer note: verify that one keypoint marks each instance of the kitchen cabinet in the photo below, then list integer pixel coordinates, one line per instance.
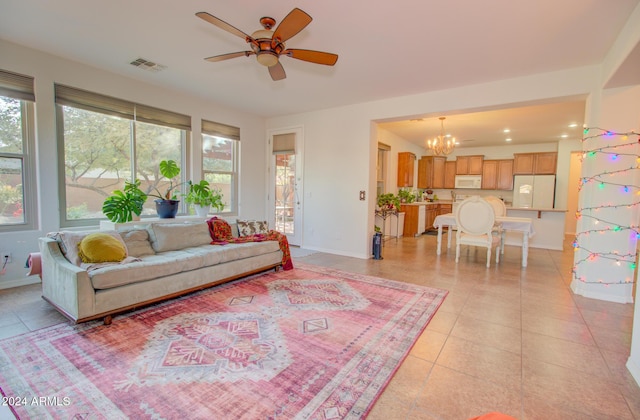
(414, 219)
(497, 174)
(406, 164)
(535, 163)
(430, 215)
(489, 175)
(444, 208)
(469, 165)
(431, 172)
(450, 174)
(505, 174)
(419, 217)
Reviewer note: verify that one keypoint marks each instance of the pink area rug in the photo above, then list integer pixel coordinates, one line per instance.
(311, 342)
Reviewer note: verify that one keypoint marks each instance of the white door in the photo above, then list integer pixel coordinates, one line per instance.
(285, 197)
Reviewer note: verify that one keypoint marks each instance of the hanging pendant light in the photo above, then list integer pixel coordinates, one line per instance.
(441, 145)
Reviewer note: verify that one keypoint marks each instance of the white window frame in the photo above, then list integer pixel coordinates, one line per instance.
(226, 132)
(95, 102)
(20, 87)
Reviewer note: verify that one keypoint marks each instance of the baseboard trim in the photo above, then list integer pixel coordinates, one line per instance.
(581, 289)
(634, 369)
(19, 282)
(336, 252)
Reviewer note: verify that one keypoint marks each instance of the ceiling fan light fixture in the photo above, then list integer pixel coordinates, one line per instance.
(267, 58)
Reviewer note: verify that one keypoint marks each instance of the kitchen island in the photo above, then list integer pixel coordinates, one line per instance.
(419, 215)
(548, 224)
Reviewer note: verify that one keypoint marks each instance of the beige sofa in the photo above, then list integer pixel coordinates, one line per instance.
(164, 260)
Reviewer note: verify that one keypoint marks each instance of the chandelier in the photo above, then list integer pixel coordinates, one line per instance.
(441, 145)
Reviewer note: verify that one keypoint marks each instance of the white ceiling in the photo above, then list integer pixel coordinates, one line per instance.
(392, 49)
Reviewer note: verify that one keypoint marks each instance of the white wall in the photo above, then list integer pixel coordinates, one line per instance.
(341, 146)
(398, 144)
(48, 70)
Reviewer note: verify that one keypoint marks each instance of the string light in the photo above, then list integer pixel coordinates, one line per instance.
(629, 199)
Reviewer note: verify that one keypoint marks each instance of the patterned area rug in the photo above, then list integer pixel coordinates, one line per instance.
(311, 342)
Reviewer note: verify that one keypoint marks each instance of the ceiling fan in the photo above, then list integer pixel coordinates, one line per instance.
(268, 45)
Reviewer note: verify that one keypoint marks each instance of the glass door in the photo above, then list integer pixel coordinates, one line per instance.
(286, 184)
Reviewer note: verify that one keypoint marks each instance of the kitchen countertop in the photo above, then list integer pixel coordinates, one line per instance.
(535, 209)
(428, 203)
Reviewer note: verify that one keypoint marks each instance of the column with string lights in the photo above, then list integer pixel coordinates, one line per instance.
(608, 215)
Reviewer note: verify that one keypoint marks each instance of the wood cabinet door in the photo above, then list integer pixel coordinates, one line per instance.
(410, 219)
(438, 172)
(475, 165)
(450, 174)
(490, 175)
(445, 208)
(523, 163)
(545, 163)
(406, 163)
(432, 212)
(462, 165)
(505, 174)
(469, 165)
(425, 172)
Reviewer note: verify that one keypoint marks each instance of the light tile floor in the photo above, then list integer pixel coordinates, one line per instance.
(507, 339)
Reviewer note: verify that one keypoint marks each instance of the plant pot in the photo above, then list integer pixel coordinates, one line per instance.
(167, 209)
(202, 211)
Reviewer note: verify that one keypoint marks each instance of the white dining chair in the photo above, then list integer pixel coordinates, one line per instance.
(475, 219)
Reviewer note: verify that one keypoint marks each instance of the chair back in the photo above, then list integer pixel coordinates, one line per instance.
(499, 208)
(475, 216)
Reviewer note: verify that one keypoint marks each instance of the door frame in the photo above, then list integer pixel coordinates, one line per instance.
(298, 219)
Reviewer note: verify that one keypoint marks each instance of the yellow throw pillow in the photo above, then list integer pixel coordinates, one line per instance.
(101, 247)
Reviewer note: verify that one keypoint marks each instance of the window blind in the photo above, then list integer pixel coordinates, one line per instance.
(284, 144)
(220, 130)
(96, 102)
(16, 86)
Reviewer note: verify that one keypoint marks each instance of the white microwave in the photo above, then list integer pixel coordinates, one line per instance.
(469, 181)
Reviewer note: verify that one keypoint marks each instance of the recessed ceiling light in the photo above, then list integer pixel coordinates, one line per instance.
(509, 139)
(573, 125)
(506, 130)
(564, 136)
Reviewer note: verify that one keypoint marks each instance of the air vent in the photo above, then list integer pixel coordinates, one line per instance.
(148, 65)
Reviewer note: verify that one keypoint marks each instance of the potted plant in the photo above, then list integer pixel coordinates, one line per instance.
(122, 205)
(388, 202)
(203, 198)
(167, 204)
(406, 196)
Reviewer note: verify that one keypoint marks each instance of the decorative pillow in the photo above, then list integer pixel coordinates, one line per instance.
(68, 242)
(174, 236)
(136, 241)
(101, 247)
(219, 229)
(252, 227)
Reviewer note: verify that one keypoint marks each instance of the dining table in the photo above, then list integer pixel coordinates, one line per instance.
(519, 224)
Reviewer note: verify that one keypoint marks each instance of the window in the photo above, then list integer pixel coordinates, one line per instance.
(220, 150)
(17, 202)
(381, 168)
(105, 141)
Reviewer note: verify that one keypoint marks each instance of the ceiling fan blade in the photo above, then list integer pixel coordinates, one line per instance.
(229, 55)
(223, 25)
(277, 72)
(317, 57)
(293, 23)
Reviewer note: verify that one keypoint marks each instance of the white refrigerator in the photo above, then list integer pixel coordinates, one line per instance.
(534, 191)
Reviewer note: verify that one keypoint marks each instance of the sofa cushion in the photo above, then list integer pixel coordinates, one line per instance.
(137, 241)
(68, 242)
(252, 227)
(172, 262)
(101, 247)
(173, 236)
